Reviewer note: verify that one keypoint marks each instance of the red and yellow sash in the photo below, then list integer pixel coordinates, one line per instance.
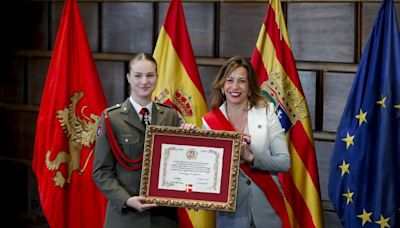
(217, 121)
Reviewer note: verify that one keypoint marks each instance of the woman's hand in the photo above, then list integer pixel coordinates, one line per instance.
(246, 153)
(188, 126)
(138, 203)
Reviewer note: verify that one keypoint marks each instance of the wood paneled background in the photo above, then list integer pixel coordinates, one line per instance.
(327, 38)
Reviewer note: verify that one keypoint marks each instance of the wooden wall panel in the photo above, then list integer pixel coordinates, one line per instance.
(308, 81)
(369, 15)
(207, 74)
(34, 207)
(12, 86)
(37, 72)
(14, 178)
(240, 26)
(34, 26)
(18, 133)
(331, 220)
(336, 91)
(322, 31)
(90, 17)
(127, 27)
(324, 152)
(200, 23)
(113, 79)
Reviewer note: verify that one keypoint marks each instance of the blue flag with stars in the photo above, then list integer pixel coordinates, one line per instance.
(364, 181)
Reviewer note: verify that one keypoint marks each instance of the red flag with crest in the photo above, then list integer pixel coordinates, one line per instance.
(72, 102)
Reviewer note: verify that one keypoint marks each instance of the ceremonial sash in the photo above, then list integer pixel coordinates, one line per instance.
(122, 159)
(217, 121)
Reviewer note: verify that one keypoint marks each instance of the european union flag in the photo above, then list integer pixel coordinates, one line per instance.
(364, 182)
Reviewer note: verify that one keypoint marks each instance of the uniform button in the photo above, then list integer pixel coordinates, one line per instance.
(248, 182)
(126, 140)
(124, 108)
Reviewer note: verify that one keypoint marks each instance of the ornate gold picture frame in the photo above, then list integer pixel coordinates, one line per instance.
(191, 169)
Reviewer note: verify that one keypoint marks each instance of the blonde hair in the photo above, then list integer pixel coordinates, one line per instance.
(142, 56)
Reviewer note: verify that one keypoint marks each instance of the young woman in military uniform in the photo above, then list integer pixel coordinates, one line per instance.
(119, 149)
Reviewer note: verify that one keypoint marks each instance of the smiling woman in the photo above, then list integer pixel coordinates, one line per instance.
(142, 77)
(119, 150)
(236, 87)
(236, 67)
(239, 106)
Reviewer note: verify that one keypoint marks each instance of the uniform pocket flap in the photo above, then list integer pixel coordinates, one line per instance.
(127, 139)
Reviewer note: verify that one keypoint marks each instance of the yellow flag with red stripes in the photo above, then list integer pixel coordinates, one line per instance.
(179, 86)
(274, 63)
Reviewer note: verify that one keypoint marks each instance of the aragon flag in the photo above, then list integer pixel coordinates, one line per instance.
(364, 183)
(179, 86)
(274, 63)
(72, 102)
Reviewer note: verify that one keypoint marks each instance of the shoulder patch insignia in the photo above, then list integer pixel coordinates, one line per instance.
(99, 130)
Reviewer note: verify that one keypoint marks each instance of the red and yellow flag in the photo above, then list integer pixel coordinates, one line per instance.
(72, 102)
(277, 74)
(179, 86)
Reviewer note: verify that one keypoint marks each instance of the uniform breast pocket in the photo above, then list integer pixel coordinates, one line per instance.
(130, 144)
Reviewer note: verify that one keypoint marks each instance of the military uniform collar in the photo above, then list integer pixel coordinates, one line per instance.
(138, 107)
(130, 115)
(158, 114)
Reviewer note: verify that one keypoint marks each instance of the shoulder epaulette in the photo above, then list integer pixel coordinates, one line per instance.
(112, 107)
(164, 105)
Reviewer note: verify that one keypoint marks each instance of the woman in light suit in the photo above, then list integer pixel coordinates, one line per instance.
(236, 96)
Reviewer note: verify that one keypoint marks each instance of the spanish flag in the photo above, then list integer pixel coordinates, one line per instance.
(277, 74)
(179, 86)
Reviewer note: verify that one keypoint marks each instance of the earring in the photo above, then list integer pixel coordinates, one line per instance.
(222, 92)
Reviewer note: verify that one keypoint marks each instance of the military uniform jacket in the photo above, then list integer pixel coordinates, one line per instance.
(119, 184)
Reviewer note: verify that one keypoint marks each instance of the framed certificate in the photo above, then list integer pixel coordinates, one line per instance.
(194, 169)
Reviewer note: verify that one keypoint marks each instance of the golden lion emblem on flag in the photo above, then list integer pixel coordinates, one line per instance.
(80, 132)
